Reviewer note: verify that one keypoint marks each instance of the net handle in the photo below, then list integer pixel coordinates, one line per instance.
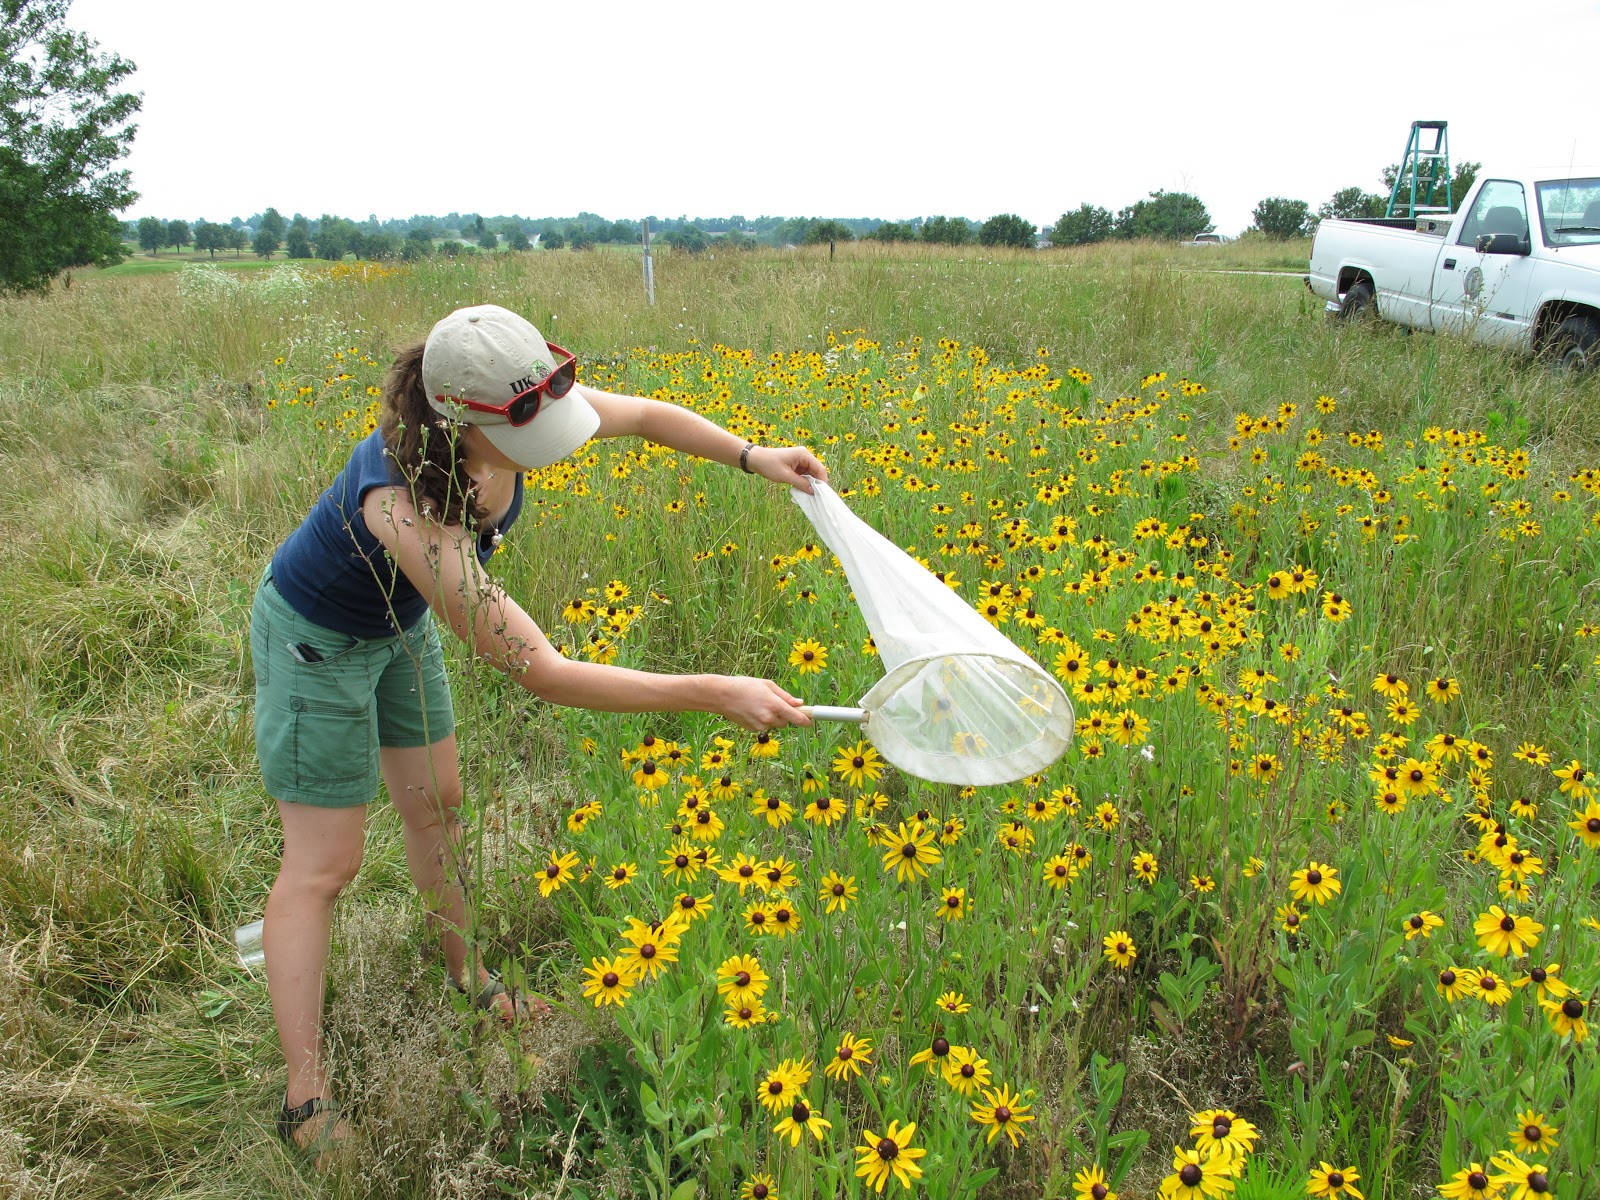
(829, 712)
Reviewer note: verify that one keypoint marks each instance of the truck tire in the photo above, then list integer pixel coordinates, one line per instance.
(1360, 303)
(1575, 345)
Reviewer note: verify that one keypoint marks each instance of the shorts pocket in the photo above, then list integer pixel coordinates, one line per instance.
(333, 743)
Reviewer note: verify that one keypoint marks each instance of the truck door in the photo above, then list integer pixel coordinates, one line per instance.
(1485, 295)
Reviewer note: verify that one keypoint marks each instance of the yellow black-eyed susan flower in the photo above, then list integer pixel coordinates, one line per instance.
(1091, 1183)
(851, 1057)
(858, 764)
(1317, 883)
(891, 1156)
(1501, 933)
(1002, 1111)
(610, 981)
(557, 872)
(621, 875)
(1197, 1175)
(1329, 1182)
(1471, 1182)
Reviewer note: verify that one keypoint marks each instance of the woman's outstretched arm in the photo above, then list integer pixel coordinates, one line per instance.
(440, 563)
(689, 432)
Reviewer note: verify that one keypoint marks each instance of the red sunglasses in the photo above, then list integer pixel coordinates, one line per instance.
(524, 406)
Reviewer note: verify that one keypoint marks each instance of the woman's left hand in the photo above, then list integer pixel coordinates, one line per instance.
(793, 465)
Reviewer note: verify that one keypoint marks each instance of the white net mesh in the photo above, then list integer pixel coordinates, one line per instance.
(959, 702)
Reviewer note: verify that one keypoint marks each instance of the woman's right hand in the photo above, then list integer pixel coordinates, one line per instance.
(757, 704)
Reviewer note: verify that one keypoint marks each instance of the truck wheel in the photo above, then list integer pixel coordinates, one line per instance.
(1360, 302)
(1575, 345)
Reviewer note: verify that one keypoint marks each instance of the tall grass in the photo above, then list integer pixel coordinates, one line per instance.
(145, 481)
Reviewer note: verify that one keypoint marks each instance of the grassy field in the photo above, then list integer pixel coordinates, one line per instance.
(1092, 441)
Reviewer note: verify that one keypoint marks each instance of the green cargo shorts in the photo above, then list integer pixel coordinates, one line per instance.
(326, 701)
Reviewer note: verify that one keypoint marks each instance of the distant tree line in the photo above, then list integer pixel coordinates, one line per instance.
(1162, 215)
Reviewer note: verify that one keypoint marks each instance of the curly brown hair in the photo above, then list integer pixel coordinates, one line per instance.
(427, 447)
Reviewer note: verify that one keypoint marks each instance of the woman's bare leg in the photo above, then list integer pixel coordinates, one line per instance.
(425, 784)
(321, 854)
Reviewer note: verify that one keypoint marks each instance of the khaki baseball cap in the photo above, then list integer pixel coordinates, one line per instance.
(489, 354)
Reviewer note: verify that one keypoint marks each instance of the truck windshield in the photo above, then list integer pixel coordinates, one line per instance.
(1570, 211)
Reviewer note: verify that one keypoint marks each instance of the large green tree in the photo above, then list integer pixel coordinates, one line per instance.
(948, 231)
(1169, 216)
(1352, 203)
(63, 125)
(152, 233)
(1084, 225)
(1007, 229)
(1280, 218)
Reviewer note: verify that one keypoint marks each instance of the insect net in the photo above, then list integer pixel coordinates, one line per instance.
(959, 702)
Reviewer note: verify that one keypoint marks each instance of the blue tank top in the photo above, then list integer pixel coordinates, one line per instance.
(333, 571)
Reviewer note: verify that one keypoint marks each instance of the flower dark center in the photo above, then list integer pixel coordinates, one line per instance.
(941, 1047)
(953, 901)
(1593, 825)
(1477, 1181)
(681, 861)
(1122, 947)
(1447, 978)
(1488, 983)
(610, 979)
(1508, 923)
(1292, 920)
(552, 871)
(775, 1088)
(688, 902)
(1002, 1114)
(648, 950)
(968, 1070)
(1417, 922)
(823, 803)
(838, 889)
(801, 1112)
(1572, 1008)
(858, 762)
(1532, 1133)
(782, 916)
(1538, 1182)
(746, 871)
(1313, 877)
(759, 1191)
(888, 1148)
(909, 850)
(1190, 1174)
(1336, 1179)
(620, 873)
(1061, 871)
(846, 1054)
(746, 1013)
(1099, 1191)
(1221, 1127)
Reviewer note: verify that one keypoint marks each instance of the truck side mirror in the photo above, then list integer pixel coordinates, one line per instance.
(1503, 243)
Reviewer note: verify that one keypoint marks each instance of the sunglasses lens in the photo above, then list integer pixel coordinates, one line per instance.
(524, 408)
(561, 382)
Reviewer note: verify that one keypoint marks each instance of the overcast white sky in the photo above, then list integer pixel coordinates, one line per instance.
(872, 109)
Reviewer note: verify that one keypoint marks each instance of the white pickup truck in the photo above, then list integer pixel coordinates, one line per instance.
(1488, 271)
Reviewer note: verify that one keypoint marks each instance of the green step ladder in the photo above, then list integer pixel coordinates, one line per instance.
(1424, 171)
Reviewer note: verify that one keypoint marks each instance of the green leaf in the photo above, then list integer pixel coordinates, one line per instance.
(687, 1190)
(653, 1112)
(694, 1139)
